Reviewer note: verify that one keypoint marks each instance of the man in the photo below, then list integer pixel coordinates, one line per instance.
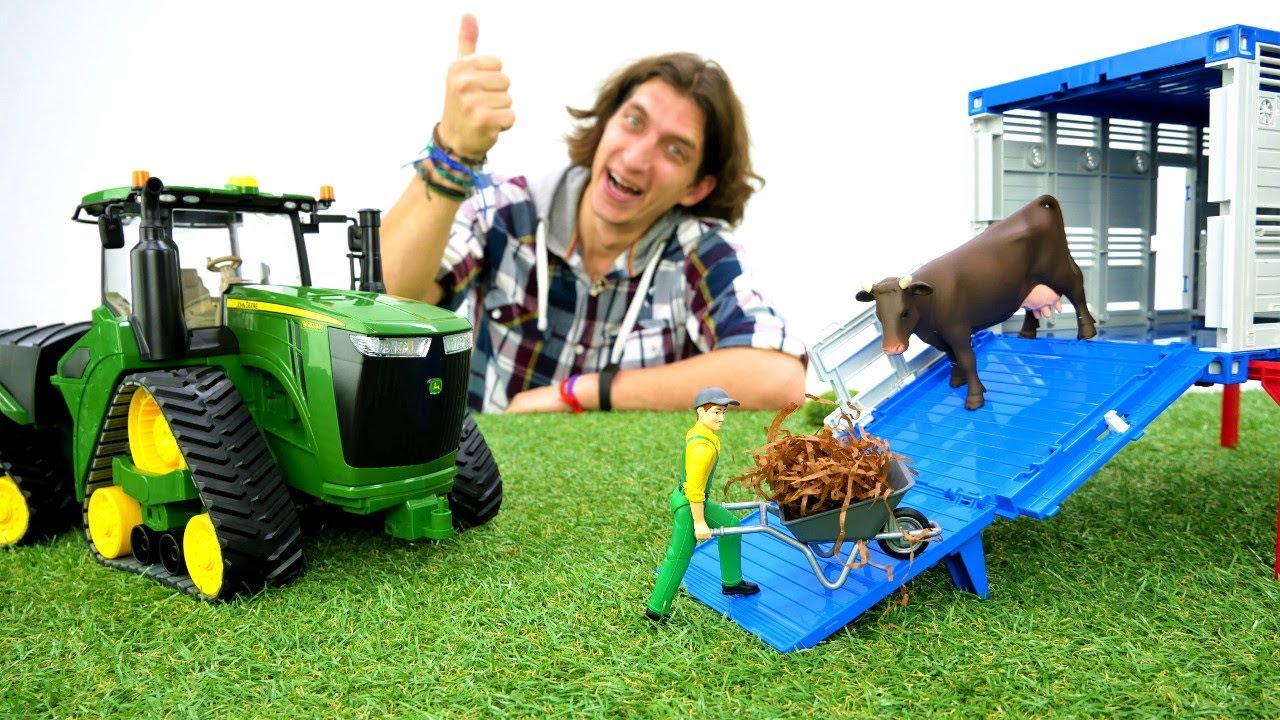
(694, 513)
(614, 283)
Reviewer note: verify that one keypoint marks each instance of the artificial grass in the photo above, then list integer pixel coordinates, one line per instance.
(1149, 595)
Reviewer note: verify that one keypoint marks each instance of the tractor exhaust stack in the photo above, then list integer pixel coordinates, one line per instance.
(157, 293)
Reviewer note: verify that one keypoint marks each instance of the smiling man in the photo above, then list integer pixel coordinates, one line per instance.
(612, 283)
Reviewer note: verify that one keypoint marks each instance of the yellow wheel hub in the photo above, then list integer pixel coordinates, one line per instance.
(151, 441)
(15, 516)
(203, 554)
(112, 515)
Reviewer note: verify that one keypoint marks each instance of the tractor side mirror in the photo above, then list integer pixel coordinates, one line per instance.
(110, 232)
(355, 241)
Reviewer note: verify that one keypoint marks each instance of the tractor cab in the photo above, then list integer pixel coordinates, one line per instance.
(194, 245)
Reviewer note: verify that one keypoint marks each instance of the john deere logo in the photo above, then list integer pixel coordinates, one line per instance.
(434, 386)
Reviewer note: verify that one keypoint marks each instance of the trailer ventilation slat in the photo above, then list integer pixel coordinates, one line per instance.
(1127, 135)
(1077, 130)
(1125, 246)
(1268, 67)
(1024, 126)
(1080, 244)
(1175, 139)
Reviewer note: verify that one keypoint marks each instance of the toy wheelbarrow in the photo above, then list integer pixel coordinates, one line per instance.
(898, 530)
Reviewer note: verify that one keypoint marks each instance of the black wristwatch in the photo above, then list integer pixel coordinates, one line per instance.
(606, 386)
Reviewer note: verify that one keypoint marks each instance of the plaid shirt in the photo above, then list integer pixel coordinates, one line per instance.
(699, 299)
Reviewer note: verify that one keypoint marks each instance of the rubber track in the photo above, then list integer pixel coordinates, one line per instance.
(241, 487)
(36, 463)
(477, 488)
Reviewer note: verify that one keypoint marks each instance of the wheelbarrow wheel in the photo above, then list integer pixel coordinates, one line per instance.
(910, 522)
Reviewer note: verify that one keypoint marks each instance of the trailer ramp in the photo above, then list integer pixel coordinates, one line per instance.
(1056, 410)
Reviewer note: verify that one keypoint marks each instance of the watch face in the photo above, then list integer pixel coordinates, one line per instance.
(1266, 111)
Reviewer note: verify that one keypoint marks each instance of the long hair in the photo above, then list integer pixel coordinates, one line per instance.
(726, 151)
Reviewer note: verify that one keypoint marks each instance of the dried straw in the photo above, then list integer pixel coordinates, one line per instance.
(810, 474)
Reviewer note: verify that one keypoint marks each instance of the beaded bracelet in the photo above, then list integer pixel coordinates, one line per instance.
(447, 192)
(446, 163)
(462, 182)
(437, 188)
(436, 141)
(440, 157)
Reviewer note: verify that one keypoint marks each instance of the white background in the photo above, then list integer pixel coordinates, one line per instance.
(857, 113)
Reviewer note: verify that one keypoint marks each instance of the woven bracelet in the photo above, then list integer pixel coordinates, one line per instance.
(463, 182)
(473, 162)
(435, 187)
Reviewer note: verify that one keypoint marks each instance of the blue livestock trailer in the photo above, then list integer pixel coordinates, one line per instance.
(1201, 114)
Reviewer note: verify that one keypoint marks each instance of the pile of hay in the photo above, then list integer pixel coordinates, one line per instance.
(810, 474)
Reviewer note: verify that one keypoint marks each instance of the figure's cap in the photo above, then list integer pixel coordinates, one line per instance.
(713, 396)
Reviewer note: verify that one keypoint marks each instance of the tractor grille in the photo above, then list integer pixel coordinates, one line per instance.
(387, 415)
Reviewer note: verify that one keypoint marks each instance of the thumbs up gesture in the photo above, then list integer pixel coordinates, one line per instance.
(477, 106)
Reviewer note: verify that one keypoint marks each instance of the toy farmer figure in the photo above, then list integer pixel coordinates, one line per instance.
(694, 513)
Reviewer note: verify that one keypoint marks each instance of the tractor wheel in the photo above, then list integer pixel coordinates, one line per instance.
(193, 418)
(146, 544)
(477, 489)
(112, 517)
(910, 522)
(36, 495)
(203, 554)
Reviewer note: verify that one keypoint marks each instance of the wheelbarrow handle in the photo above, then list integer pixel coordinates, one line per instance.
(761, 523)
(740, 530)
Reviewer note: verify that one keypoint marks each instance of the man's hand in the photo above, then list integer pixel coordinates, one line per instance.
(543, 399)
(477, 106)
(547, 399)
(1042, 302)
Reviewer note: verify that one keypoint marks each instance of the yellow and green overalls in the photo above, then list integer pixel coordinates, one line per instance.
(701, 455)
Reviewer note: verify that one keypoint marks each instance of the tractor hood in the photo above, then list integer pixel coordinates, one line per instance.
(360, 312)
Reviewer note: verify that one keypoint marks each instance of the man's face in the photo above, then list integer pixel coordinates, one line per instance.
(648, 159)
(712, 416)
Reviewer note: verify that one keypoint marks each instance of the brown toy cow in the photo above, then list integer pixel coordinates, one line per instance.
(980, 284)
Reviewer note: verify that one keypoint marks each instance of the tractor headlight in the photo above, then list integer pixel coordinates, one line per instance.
(391, 346)
(457, 343)
(460, 342)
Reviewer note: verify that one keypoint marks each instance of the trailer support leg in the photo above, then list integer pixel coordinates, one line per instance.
(968, 567)
(1229, 435)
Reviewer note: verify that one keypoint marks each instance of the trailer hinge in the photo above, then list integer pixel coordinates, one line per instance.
(967, 498)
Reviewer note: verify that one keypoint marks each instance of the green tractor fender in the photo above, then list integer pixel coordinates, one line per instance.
(12, 409)
(36, 488)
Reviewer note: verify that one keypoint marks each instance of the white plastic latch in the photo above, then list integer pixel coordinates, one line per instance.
(1115, 422)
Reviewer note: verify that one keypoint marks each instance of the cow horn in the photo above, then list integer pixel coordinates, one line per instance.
(904, 282)
(866, 287)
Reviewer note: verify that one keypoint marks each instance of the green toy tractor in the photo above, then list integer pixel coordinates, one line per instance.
(185, 428)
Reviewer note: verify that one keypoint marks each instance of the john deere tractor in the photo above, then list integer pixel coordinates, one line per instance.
(215, 391)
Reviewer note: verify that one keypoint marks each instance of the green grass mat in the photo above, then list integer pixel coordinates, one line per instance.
(1149, 595)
